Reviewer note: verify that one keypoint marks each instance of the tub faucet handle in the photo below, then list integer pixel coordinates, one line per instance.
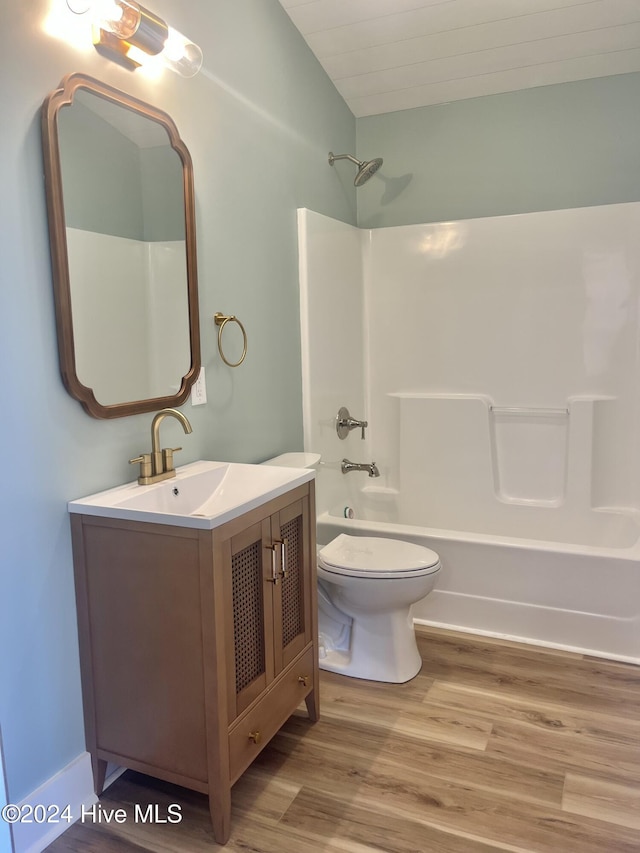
(345, 423)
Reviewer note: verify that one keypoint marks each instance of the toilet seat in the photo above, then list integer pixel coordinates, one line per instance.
(375, 557)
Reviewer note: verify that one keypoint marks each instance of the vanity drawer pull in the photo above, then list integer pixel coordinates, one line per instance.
(303, 680)
(256, 737)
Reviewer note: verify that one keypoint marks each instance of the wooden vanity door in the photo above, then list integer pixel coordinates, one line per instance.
(292, 623)
(269, 619)
(250, 644)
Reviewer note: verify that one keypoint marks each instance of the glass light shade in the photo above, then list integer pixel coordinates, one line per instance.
(99, 9)
(140, 29)
(133, 23)
(181, 54)
(79, 7)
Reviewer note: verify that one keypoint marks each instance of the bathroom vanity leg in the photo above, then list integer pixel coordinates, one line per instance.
(220, 810)
(313, 705)
(99, 766)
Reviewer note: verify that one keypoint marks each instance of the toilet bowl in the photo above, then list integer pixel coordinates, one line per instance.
(366, 586)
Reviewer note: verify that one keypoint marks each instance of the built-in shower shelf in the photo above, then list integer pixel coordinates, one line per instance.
(529, 454)
(529, 411)
(463, 458)
(380, 490)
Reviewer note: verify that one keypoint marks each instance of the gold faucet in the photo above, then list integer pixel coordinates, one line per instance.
(158, 465)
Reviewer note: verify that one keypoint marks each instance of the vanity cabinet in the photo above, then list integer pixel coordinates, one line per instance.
(196, 645)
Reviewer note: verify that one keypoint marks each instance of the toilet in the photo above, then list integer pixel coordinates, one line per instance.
(366, 586)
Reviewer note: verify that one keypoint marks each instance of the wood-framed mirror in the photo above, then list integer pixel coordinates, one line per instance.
(121, 209)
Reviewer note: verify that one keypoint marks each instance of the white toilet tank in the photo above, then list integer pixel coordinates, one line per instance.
(295, 460)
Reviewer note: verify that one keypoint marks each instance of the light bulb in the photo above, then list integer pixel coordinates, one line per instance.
(181, 54)
(107, 9)
(120, 18)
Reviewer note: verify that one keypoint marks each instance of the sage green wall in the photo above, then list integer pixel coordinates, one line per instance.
(162, 186)
(258, 120)
(563, 146)
(99, 162)
(140, 190)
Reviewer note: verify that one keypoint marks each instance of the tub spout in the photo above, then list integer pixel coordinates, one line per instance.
(370, 467)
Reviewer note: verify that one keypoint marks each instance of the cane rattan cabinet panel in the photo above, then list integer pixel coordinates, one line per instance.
(196, 645)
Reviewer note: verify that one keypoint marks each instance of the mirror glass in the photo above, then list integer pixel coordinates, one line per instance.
(120, 195)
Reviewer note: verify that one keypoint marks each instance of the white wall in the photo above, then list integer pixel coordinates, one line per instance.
(168, 316)
(131, 327)
(537, 312)
(333, 349)
(110, 343)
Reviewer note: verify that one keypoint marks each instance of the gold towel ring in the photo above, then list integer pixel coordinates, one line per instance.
(222, 320)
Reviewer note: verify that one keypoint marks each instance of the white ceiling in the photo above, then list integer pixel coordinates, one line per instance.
(387, 55)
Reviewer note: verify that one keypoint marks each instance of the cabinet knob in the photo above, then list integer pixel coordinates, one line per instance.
(256, 737)
(304, 680)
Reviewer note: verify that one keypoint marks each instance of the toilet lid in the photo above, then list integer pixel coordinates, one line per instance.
(371, 556)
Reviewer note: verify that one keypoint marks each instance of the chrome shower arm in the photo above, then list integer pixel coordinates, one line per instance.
(333, 157)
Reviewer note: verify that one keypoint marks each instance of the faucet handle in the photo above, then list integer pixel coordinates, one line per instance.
(345, 423)
(167, 457)
(145, 464)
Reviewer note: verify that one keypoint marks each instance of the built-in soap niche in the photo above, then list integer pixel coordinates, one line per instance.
(529, 454)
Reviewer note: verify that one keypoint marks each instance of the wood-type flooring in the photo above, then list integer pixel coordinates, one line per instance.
(494, 746)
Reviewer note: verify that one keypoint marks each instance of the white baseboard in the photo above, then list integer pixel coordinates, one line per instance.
(73, 787)
(551, 627)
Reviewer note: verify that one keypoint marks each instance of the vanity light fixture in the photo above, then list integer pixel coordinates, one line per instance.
(128, 33)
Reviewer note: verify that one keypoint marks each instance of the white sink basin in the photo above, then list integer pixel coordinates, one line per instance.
(202, 494)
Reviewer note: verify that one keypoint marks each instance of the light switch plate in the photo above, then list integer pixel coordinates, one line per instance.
(199, 390)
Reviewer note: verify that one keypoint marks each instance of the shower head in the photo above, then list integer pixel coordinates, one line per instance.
(366, 168)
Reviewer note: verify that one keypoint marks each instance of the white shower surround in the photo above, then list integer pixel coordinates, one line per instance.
(136, 353)
(497, 363)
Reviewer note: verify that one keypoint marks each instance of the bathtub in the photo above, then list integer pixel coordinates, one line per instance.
(582, 598)
(500, 387)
